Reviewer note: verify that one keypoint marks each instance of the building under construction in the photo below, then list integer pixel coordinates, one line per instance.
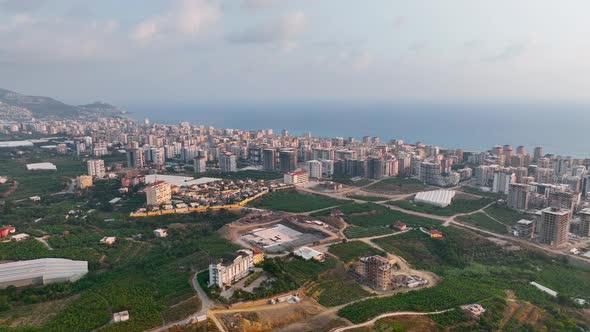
(375, 271)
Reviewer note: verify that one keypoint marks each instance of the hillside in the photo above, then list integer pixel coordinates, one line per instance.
(46, 107)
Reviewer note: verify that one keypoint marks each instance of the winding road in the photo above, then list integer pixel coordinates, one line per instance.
(391, 314)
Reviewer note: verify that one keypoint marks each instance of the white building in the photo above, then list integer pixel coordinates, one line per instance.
(108, 240)
(314, 167)
(440, 198)
(121, 316)
(41, 167)
(227, 272)
(296, 178)
(41, 272)
(502, 181)
(158, 193)
(95, 168)
(309, 253)
(160, 232)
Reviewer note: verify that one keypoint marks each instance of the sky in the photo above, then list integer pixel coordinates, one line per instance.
(280, 51)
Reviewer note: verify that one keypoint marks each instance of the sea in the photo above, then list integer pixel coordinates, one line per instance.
(560, 129)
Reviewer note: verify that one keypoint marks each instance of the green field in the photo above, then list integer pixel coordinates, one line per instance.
(333, 291)
(397, 185)
(476, 270)
(145, 276)
(458, 206)
(31, 183)
(385, 217)
(368, 198)
(352, 250)
(370, 219)
(293, 201)
(483, 221)
(347, 181)
(475, 191)
(355, 232)
(506, 215)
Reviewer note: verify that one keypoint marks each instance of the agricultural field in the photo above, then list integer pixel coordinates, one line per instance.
(482, 221)
(397, 186)
(458, 206)
(147, 276)
(370, 219)
(293, 201)
(353, 250)
(383, 216)
(349, 182)
(475, 191)
(355, 232)
(31, 183)
(505, 215)
(335, 290)
(477, 270)
(368, 198)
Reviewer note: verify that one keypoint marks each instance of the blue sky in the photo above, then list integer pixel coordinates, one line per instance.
(222, 51)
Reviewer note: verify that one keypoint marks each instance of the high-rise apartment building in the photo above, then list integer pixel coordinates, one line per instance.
(376, 168)
(555, 224)
(585, 222)
(538, 154)
(502, 180)
(288, 160)
(314, 168)
(269, 160)
(375, 271)
(518, 196)
(228, 163)
(95, 168)
(135, 158)
(200, 164)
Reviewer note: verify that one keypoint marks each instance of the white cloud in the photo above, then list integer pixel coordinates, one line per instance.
(259, 4)
(188, 17)
(284, 32)
(27, 39)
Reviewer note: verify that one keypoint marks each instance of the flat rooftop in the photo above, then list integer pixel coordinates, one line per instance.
(279, 238)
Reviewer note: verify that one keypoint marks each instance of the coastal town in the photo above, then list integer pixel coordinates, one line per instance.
(299, 217)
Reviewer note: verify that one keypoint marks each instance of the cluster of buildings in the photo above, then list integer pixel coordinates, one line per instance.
(553, 225)
(166, 193)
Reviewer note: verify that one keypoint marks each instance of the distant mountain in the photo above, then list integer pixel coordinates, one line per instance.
(46, 107)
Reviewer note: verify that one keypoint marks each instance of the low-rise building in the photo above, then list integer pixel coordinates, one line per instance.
(108, 240)
(309, 254)
(160, 232)
(121, 316)
(41, 272)
(296, 178)
(84, 181)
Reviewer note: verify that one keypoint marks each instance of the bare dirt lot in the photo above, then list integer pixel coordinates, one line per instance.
(304, 316)
(401, 323)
